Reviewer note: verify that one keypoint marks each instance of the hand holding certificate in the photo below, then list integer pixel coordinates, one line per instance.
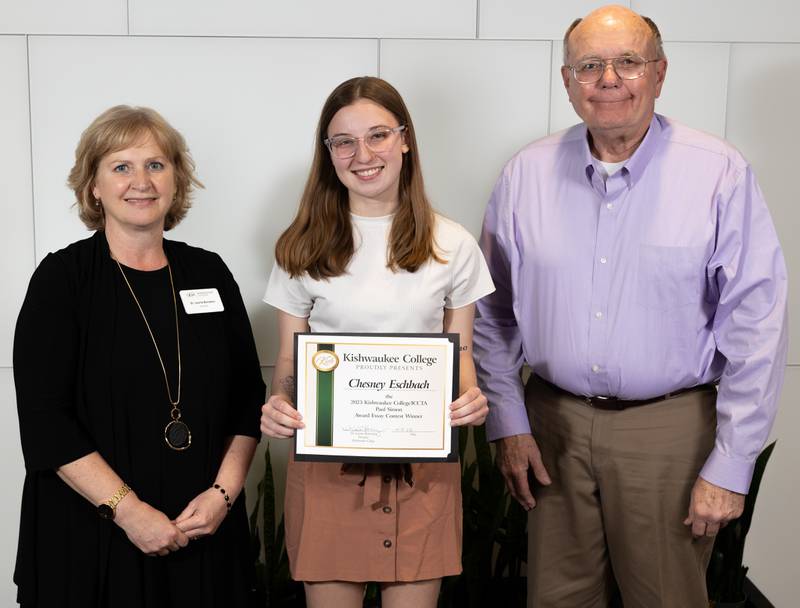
(366, 397)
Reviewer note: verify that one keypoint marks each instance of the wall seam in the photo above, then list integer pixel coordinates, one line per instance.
(30, 143)
(477, 19)
(727, 93)
(550, 93)
(128, 17)
(344, 37)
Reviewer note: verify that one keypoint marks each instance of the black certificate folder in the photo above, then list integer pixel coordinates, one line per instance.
(369, 397)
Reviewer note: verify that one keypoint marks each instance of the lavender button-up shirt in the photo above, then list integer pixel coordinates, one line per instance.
(666, 275)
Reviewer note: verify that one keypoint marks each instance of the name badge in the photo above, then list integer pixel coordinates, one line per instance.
(196, 301)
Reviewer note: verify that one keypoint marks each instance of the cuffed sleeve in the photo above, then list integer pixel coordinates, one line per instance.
(497, 339)
(750, 329)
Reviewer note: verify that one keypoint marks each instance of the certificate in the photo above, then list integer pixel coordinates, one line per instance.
(376, 398)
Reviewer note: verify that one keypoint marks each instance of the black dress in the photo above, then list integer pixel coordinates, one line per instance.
(88, 378)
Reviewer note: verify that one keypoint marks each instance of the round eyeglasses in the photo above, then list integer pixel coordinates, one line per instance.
(378, 139)
(627, 67)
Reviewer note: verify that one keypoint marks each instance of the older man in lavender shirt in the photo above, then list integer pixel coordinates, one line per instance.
(636, 266)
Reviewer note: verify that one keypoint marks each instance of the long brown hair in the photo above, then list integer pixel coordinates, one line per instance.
(320, 239)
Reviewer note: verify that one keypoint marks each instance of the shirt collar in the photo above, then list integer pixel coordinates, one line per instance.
(635, 166)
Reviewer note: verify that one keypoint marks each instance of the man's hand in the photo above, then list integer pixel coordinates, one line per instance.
(711, 508)
(515, 455)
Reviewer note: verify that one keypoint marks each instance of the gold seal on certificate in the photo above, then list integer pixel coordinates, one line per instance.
(376, 398)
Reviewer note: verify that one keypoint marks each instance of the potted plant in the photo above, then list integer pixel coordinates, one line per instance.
(274, 586)
(726, 574)
(495, 534)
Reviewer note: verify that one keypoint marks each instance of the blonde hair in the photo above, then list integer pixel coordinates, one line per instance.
(320, 239)
(118, 128)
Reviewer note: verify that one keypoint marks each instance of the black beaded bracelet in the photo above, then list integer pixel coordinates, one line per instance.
(227, 498)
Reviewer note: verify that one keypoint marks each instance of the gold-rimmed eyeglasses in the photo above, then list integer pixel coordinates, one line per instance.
(378, 139)
(627, 67)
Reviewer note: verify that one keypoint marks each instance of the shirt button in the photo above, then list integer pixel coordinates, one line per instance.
(598, 315)
(387, 509)
(595, 368)
(609, 205)
(387, 479)
(387, 543)
(603, 260)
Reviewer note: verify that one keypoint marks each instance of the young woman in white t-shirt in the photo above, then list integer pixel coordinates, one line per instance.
(366, 253)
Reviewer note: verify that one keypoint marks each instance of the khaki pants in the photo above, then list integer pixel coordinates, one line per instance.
(614, 512)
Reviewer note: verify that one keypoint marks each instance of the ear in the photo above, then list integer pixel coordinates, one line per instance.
(661, 74)
(94, 192)
(404, 147)
(565, 74)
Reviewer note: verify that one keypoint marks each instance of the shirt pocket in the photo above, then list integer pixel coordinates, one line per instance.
(670, 277)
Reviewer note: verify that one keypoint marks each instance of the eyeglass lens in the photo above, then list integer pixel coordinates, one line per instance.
(378, 140)
(627, 68)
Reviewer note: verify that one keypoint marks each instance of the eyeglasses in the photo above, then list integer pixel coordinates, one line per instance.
(379, 139)
(627, 67)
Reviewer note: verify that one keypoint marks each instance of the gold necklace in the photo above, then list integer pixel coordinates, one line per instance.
(176, 434)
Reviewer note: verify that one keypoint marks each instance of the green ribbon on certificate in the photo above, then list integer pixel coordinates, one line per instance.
(325, 402)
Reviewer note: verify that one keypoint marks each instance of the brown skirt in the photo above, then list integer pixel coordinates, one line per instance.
(371, 522)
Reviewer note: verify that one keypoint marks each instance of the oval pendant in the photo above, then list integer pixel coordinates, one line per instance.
(177, 435)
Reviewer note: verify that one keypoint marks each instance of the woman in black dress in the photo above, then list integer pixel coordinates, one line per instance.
(139, 392)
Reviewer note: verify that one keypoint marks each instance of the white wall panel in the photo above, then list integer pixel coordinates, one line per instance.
(762, 103)
(724, 20)
(323, 18)
(59, 17)
(694, 91)
(279, 450)
(247, 107)
(771, 549)
(474, 103)
(696, 86)
(16, 228)
(13, 472)
(532, 19)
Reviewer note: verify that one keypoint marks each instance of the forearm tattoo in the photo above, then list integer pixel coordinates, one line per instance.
(287, 384)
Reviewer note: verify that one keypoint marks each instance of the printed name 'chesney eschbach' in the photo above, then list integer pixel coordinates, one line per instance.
(393, 384)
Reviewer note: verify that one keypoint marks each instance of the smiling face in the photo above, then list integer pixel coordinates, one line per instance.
(136, 187)
(372, 179)
(612, 107)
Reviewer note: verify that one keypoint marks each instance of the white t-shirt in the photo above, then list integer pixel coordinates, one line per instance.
(612, 168)
(369, 297)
